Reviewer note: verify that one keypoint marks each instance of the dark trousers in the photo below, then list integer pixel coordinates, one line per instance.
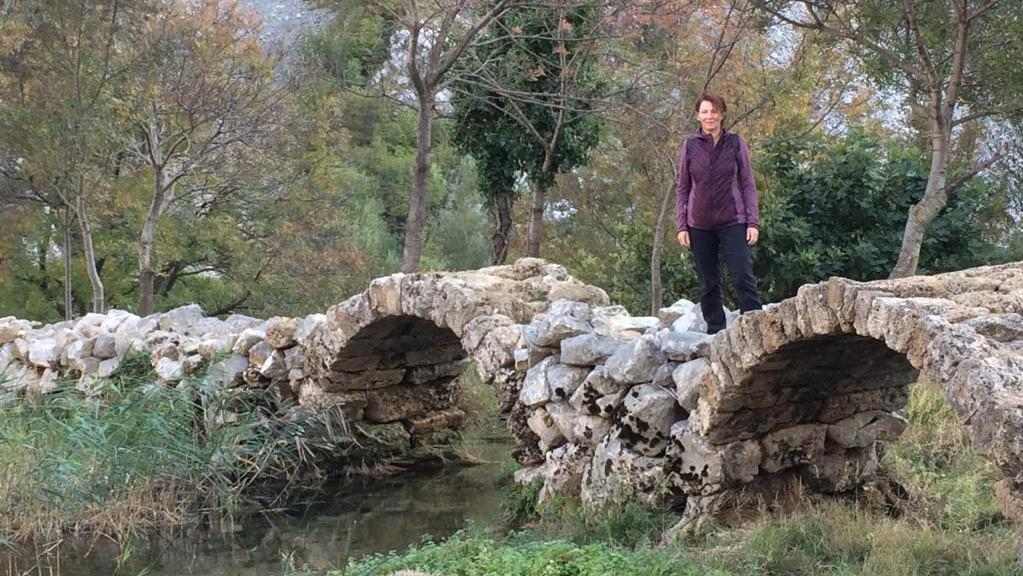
(729, 242)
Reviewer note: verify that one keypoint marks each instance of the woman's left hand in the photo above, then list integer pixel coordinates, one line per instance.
(752, 235)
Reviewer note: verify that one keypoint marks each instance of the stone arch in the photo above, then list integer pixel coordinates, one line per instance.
(810, 385)
(393, 352)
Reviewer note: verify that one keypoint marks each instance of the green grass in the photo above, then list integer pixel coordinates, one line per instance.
(139, 456)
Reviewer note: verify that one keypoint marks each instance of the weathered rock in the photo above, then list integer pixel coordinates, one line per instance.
(668, 315)
(280, 332)
(616, 321)
(104, 347)
(563, 472)
(837, 472)
(406, 402)
(228, 372)
(274, 366)
(792, 446)
(259, 353)
(535, 389)
(247, 339)
(181, 319)
(636, 362)
(170, 370)
(563, 320)
(588, 349)
(688, 378)
(563, 381)
(544, 426)
(649, 413)
(866, 428)
(44, 352)
(684, 346)
(11, 329)
(617, 474)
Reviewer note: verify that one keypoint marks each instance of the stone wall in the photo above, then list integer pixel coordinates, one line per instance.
(605, 405)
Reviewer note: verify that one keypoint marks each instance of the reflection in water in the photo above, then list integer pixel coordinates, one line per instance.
(380, 516)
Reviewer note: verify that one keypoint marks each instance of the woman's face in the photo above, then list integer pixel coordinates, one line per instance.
(709, 117)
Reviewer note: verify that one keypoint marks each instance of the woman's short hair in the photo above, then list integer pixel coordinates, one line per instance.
(717, 101)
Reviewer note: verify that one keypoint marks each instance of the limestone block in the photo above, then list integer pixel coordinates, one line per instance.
(535, 390)
(691, 320)
(616, 474)
(563, 471)
(696, 467)
(294, 358)
(792, 446)
(280, 332)
(78, 349)
(636, 362)
(564, 417)
(649, 413)
(684, 346)
(114, 319)
(668, 315)
(6, 357)
(401, 402)
(563, 319)
(274, 366)
(259, 353)
(366, 380)
(588, 349)
(616, 321)
(247, 339)
(600, 380)
(307, 325)
(228, 372)
(106, 368)
(478, 328)
(590, 430)
(841, 471)
(543, 425)
(866, 428)
(181, 319)
(662, 377)
(104, 346)
(11, 329)
(44, 352)
(688, 378)
(563, 381)
(169, 369)
(998, 327)
(424, 374)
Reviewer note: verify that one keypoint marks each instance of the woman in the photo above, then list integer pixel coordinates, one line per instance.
(716, 210)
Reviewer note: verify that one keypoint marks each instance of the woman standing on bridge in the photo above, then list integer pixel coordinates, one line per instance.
(716, 210)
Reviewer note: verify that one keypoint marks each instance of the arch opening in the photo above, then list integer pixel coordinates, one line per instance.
(403, 369)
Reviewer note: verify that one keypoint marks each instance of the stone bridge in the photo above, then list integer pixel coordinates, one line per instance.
(605, 405)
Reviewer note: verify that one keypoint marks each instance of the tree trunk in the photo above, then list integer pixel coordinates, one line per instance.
(98, 296)
(656, 290)
(163, 195)
(416, 221)
(68, 301)
(504, 201)
(536, 219)
(926, 210)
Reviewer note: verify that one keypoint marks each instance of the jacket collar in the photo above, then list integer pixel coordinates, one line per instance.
(705, 136)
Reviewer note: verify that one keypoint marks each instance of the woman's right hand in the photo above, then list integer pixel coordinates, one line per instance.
(683, 238)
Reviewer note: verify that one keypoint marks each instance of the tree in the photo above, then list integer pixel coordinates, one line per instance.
(435, 37)
(203, 92)
(953, 54)
(63, 70)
